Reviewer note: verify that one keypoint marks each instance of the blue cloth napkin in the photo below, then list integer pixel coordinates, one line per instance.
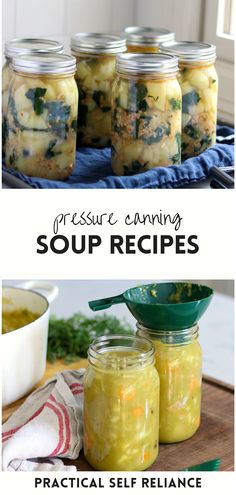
(93, 170)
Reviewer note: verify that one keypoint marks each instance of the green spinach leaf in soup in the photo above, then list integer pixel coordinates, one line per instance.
(192, 131)
(36, 96)
(177, 157)
(146, 119)
(190, 99)
(115, 127)
(142, 120)
(13, 158)
(206, 140)
(158, 134)
(117, 103)
(57, 117)
(74, 125)
(18, 125)
(58, 112)
(175, 104)
(137, 94)
(106, 109)
(136, 168)
(135, 128)
(12, 108)
(98, 97)
(178, 140)
(5, 130)
(50, 152)
(183, 146)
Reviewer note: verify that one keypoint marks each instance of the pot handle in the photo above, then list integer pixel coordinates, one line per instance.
(47, 290)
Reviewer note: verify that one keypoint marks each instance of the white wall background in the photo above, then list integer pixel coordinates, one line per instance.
(61, 18)
(181, 16)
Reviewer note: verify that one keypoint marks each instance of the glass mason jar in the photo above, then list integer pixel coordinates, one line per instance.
(42, 116)
(146, 113)
(179, 365)
(96, 57)
(146, 39)
(14, 48)
(121, 404)
(199, 84)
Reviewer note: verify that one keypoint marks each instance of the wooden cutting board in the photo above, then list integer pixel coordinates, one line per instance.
(215, 437)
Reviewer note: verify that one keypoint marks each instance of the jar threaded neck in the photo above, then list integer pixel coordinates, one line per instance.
(178, 337)
(121, 351)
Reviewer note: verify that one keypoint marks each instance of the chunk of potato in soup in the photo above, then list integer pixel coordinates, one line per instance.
(12, 320)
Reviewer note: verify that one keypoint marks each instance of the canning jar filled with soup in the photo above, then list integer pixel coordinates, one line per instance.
(199, 84)
(179, 365)
(42, 116)
(96, 57)
(121, 404)
(146, 39)
(16, 47)
(146, 113)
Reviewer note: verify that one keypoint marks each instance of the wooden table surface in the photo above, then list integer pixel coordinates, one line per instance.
(215, 437)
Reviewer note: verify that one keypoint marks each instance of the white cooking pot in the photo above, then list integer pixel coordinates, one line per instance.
(24, 350)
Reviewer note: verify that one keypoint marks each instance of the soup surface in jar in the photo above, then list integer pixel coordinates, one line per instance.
(180, 372)
(199, 109)
(12, 320)
(95, 75)
(42, 120)
(121, 416)
(146, 125)
(142, 49)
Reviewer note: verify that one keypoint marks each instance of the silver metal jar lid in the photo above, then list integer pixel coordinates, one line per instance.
(147, 36)
(97, 43)
(143, 63)
(31, 45)
(45, 63)
(190, 51)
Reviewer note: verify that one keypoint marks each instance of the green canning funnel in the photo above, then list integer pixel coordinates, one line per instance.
(163, 306)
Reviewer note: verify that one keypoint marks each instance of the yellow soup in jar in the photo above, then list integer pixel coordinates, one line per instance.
(6, 78)
(142, 49)
(12, 320)
(146, 124)
(94, 76)
(199, 87)
(121, 414)
(42, 121)
(180, 370)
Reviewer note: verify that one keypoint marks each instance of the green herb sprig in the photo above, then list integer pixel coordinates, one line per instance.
(69, 339)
